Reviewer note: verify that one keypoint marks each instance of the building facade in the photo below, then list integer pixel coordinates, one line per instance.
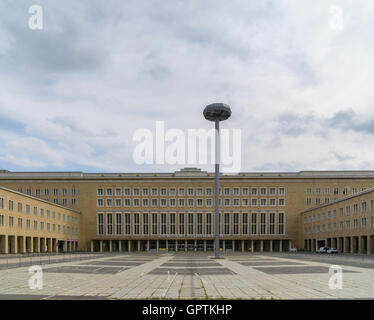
(175, 211)
(346, 224)
(29, 224)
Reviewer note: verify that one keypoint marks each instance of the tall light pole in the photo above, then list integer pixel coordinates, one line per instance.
(217, 112)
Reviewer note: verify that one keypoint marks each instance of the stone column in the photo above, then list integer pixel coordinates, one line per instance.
(92, 246)
(280, 246)
(157, 245)
(23, 244)
(252, 249)
(352, 244)
(110, 246)
(289, 245)
(148, 246)
(195, 245)
(101, 245)
(242, 245)
(262, 246)
(139, 245)
(120, 245)
(271, 245)
(129, 245)
(369, 245)
(233, 245)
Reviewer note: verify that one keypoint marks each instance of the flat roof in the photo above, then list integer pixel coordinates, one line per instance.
(38, 199)
(358, 194)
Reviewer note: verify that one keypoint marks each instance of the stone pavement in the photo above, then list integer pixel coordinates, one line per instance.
(193, 276)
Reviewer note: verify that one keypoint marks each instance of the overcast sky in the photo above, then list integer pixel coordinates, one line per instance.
(299, 80)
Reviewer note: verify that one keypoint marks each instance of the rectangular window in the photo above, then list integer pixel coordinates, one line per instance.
(118, 223)
(172, 223)
(109, 224)
(227, 223)
(245, 223)
(254, 223)
(127, 223)
(263, 223)
(272, 223)
(163, 223)
(236, 223)
(145, 224)
(181, 223)
(199, 226)
(136, 224)
(190, 223)
(281, 223)
(154, 223)
(208, 223)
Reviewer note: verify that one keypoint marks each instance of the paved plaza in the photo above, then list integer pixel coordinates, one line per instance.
(187, 276)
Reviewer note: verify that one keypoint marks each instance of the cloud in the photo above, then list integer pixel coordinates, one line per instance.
(77, 90)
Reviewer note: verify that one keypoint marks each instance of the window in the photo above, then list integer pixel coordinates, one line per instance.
(263, 191)
(55, 192)
(308, 201)
(118, 223)
(163, 191)
(127, 203)
(118, 192)
(355, 208)
(199, 202)
(11, 221)
(145, 223)
(227, 223)
(181, 192)
(145, 192)
(109, 192)
(10, 206)
(281, 202)
(19, 207)
(1, 220)
(308, 191)
(236, 191)
(208, 223)
(345, 190)
(172, 223)
(172, 192)
(281, 191)
(272, 223)
(245, 202)
(190, 223)
(73, 192)
(100, 202)
(20, 223)
(262, 202)
(327, 190)
(136, 224)
(181, 202)
(190, 191)
(208, 191)
(64, 192)
(236, 223)
(109, 202)
(254, 202)
(181, 223)
(281, 223)
(163, 202)
(245, 223)
(363, 222)
(109, 224)
(254, 191)
(208, 202)
(163, 223)
(154, 223)
(227, 191)
(272, 191)
(118, 202)
(227, 202)
(263, 223)
(136, 192)
(1, 203)
(127, 223)
(172, 202)
(254, 223)
(336, 191)
(347, 210)
(137, 202)
(363, 207)
(245, 191)
(154, 192)
(199, 226)
(127, 191)
(190, 202)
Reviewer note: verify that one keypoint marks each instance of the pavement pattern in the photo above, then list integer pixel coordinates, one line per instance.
(189, 276)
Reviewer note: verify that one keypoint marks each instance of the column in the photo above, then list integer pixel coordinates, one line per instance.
(233, 245)
(262, 246)
(129, 245)
(352, 244)
(195, 245)
(110, 246)
(185, 245)
(369, 245)
(280, 246)
(92, 246)
(338, 246)
(224, 245)
(139, 245)
(252, 246)
(148, 246)
(204, 245)
(242, 245)
(157, 245)
(23, 241)
(271, 245)
(289, 245)
(42, 247)
(101, 245)
(120, 245)
(31, 245)
(49, 245)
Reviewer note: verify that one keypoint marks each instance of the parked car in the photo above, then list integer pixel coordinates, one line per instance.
(332, 251)
(293, 250)
(322, 250)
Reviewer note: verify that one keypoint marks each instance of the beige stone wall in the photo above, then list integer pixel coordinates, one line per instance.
(295, 196)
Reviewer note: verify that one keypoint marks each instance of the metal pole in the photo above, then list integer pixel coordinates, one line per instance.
(216, 227)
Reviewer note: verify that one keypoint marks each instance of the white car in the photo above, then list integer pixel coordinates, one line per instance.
(332, 251)
(293, 250)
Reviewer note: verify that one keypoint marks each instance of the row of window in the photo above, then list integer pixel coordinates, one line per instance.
(189, 224)
(37, 211)
(342, 225)
(263, 202)
(335, 190)
(344, 211)
(47, 192)
(67, 229)
(263, 191)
